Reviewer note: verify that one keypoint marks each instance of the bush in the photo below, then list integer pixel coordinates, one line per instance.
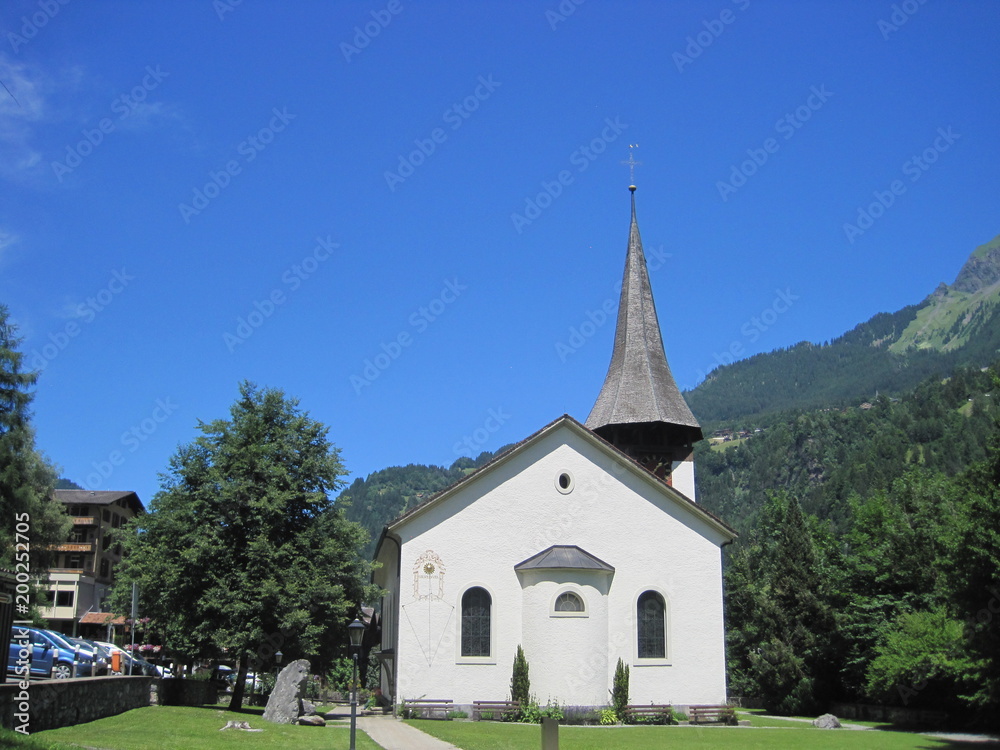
(458, 715)
(619, 691)
(608, 716)
(520, 685)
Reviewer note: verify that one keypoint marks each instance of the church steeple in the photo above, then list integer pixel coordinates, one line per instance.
(640, 408)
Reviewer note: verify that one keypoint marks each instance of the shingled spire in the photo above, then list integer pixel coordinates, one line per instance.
(640, 409)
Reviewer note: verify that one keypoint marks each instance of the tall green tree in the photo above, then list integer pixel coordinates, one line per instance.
(242, 551)
(780, 644)
(26, 477)
(975, 578)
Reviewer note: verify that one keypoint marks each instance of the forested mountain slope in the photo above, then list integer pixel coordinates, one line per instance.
(385, 494)
(824, 456)
(890, 353)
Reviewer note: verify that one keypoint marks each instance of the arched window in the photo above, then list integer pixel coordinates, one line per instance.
(651, 626)
(568, 602)
(476, 606)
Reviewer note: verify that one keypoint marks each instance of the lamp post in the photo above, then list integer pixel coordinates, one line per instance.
(356, 630)
(277, 667)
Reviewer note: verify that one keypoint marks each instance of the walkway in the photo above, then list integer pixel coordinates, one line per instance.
(393, 734)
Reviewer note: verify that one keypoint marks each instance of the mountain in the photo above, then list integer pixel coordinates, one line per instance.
(824, 456)
(385, 494)
(892, 352)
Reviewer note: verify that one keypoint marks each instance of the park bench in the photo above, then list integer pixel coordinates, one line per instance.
(655, 712)
(705, 714)
(426, 708)
(495, 710)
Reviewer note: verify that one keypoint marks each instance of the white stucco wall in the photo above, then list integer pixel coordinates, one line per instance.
(515, 510)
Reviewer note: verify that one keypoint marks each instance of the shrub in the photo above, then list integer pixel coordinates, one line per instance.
(619, 691)
(608, 716)
(520, 685)
(458, 715)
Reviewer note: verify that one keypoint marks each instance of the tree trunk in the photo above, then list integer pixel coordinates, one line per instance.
(236, 704)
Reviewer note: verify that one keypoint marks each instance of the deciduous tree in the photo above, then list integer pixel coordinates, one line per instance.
(242, 551)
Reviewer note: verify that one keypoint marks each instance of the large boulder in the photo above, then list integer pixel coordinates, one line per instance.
(827, 721)
(285, 704)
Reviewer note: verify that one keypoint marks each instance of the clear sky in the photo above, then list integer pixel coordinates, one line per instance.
(413, 216)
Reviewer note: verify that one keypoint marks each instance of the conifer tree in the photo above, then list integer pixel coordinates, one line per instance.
(619, 691)
(520, 685)
(26, 477)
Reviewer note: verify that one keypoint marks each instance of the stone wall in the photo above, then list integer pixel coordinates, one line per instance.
(896, 715)
(52, 704)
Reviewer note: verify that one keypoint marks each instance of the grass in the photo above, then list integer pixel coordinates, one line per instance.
(784, 734)
(187, 728)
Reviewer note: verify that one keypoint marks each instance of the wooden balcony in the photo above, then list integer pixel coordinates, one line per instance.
(84, 547)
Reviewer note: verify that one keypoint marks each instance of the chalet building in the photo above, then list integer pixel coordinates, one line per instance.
(583, 543)
(84, 570)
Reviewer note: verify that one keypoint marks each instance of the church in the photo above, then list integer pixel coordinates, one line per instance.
(583, 544)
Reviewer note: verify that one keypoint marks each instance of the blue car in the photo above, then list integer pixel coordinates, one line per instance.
(43, 653)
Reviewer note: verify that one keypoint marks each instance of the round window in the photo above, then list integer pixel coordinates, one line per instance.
(564, 482)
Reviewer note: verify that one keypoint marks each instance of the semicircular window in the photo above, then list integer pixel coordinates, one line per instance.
(569, 602)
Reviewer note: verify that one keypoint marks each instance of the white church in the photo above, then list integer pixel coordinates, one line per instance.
(583, 543)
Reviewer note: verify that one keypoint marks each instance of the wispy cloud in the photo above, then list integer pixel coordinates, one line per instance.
(22, 107)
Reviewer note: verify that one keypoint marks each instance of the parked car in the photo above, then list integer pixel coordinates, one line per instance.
(51, 655)
(102, 659)
(133, 664)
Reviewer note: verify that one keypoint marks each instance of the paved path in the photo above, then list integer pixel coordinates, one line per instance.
(393, 734)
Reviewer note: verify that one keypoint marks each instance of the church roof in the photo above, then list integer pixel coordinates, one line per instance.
(564, 556)
(639, 387)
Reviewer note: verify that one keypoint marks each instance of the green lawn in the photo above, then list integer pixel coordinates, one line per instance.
(185, 728)
(787, 734)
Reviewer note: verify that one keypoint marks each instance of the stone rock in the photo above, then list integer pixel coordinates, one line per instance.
(312, 721)
(827, 721)
(308, 708)
(285, 704)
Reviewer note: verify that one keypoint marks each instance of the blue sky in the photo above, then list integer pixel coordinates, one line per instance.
(413, 216)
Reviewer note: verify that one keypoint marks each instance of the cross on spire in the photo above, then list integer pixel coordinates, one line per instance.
(632, 164)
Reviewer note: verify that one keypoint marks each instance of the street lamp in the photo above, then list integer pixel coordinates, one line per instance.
(277, 667)
(356, 630)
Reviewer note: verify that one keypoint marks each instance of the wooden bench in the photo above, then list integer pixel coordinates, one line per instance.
(705, 714)
(661, 712)
(425, 708)
(497, 710)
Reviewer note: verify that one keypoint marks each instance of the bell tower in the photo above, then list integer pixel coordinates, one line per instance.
(640, 409)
